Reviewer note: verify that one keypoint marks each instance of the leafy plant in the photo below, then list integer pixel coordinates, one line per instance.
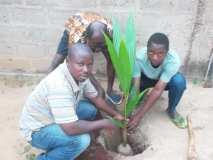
(122, 53)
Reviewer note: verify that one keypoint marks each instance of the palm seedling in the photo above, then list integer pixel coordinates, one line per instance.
(122, 53)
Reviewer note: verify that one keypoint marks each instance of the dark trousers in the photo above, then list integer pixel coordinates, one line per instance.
(175, 87)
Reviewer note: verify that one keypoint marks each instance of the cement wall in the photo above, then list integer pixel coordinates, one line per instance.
(30, 29)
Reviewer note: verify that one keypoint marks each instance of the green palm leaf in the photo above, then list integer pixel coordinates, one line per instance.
(124, 68)
(114, 56)
(116, 35)
(133, 101)
(122, 54)
(130, 38)
(116, 122)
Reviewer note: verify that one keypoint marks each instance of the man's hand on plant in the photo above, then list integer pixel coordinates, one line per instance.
(107, 124)
(134, 122)
(119, 117)
(109, 127)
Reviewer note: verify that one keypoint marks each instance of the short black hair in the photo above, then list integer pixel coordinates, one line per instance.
(96, 26)
(79, 49)
(159, 38)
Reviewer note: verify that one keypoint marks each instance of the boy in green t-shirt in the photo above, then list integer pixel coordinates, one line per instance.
(156, 66)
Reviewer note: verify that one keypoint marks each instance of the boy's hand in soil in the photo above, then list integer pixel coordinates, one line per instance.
(134, 122)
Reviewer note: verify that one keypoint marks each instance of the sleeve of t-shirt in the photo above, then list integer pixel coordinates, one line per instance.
(89, 90)
(170, 69)
(63, 45)
(62, 105)
(136, 69)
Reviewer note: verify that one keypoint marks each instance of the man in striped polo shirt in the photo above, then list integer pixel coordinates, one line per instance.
(55, 118)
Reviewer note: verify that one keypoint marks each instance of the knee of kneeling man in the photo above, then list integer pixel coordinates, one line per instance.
(84, 140)
(179, 81)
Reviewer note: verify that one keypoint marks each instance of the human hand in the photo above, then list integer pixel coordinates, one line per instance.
(107, 124)
(119, 117)
(133, 122)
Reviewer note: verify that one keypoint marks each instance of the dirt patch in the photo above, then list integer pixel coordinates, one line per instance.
(95, 152)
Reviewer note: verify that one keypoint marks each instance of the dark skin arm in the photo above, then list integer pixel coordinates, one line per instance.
(57, 60)
(155, 93)
(82, 126)
(110, 71)
(101, 104)
(61, 52)
(97, 85)
(136, 84)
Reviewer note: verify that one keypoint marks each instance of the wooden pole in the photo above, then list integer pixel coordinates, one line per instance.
(208, 76)
(192, 154)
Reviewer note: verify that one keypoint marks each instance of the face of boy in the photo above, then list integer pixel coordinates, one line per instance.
(156, 54)
(80, 66)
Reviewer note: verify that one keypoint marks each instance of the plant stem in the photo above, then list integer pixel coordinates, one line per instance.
(124, 134)
(125, 103)
(124, 131)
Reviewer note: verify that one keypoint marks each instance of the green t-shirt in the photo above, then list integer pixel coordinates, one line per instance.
(164, 72)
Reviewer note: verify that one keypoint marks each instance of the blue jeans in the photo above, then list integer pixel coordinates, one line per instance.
(57, 144)
(175, 87)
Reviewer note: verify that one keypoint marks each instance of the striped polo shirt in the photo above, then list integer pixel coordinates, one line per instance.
(54, 100)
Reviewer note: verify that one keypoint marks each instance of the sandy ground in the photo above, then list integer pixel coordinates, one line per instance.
(166, 141)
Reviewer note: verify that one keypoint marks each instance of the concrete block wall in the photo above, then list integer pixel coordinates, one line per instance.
(30, 30)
